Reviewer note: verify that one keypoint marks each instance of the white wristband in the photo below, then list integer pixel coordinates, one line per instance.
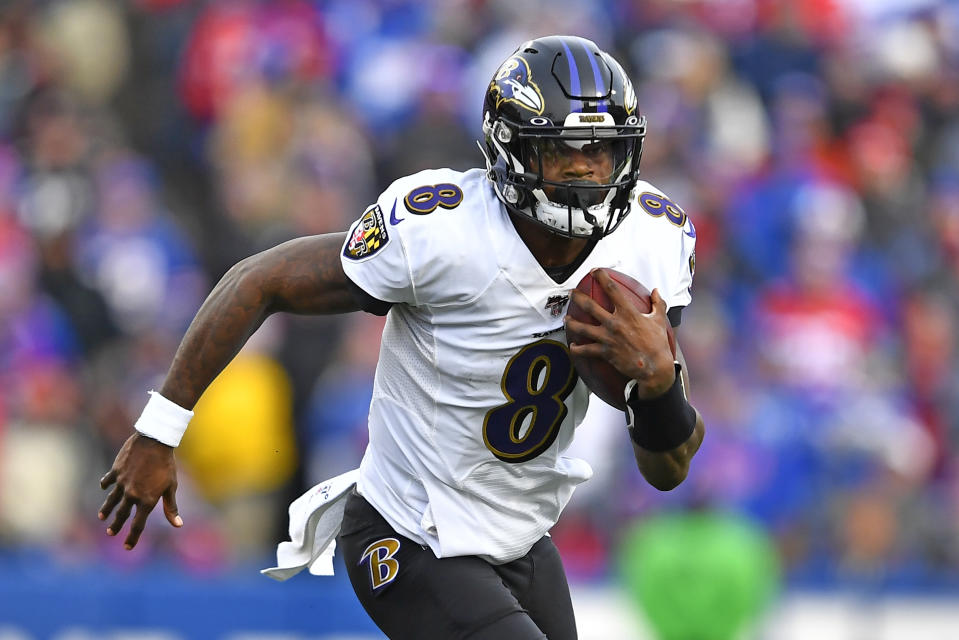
(163, 420)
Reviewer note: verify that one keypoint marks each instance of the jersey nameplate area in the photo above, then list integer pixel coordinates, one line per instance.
(367, 236)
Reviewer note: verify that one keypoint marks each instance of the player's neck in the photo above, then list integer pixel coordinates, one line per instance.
(549, 249)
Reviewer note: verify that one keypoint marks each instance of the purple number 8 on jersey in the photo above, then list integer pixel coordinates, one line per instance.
(425, 199)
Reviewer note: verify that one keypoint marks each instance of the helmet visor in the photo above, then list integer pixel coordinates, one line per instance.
(578, 169)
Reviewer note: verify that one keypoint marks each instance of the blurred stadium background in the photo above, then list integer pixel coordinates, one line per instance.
(145, 146)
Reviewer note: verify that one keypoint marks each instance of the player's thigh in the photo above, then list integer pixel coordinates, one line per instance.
(539, 582)
(411, 594)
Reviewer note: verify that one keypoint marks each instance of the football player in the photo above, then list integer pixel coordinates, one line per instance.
(444, 527)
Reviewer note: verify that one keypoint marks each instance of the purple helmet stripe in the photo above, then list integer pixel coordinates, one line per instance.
(598, 78)
(573, 78)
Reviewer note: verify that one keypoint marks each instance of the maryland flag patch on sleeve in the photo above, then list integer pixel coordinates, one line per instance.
(367, 236)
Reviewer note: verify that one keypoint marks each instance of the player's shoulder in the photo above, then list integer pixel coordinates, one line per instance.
(657, 244)
(436, 190)
(657, 212)
(436, 219)
(441, 209)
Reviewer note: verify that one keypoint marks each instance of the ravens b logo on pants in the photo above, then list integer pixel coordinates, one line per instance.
(383, 566)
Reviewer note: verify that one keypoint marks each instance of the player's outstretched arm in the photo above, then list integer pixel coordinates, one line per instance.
(300, 276)
(665, 429)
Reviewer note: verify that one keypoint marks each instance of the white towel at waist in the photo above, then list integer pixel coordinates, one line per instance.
(315, 519)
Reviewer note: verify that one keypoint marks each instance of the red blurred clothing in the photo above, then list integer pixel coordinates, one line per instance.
(816, 339)
(236, 43)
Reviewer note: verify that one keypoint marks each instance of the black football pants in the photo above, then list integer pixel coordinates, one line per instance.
(413, 595)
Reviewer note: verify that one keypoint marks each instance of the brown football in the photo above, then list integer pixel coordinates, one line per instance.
(600, 376)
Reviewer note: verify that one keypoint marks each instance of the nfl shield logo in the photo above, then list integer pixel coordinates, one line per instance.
(556, 304)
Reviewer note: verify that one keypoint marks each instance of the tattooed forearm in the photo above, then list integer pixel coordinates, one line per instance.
(300, 276)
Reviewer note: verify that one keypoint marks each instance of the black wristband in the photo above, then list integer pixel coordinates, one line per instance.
(661, 423)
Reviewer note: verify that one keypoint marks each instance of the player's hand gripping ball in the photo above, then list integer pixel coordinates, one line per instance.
(600, 376)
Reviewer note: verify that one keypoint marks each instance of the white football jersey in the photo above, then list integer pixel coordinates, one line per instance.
(475, 397)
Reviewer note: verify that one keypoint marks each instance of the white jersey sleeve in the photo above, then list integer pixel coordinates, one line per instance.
(680, 294)
(656, 244)
(374, 255)
(398, 253)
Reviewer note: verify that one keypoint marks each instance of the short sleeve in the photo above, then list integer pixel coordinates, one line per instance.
(681, 295)
(374, 256)
(669, 242)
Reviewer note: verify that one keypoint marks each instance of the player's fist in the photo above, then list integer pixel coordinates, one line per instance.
(617, 331)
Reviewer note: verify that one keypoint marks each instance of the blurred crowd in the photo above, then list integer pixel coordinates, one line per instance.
(146, 146)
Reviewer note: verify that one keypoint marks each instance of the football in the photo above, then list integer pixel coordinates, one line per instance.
(600, 376)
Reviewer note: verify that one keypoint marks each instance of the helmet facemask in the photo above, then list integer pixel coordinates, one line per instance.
(571, 179)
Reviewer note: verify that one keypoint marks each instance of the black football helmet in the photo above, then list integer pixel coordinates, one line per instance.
(555, 102)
